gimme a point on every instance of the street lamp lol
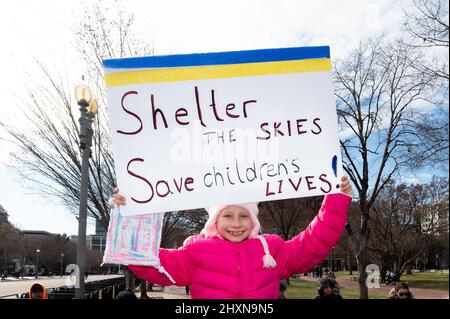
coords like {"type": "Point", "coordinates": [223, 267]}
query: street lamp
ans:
{"type": "Point", "coordinates": [62, 256]}
{"type": "Point", "coordinates": [88, 109]}
{"type": "Point", "coordinates": [37, 263]}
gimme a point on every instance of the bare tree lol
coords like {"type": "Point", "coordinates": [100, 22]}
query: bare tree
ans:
{"type": "Point", "coordinates": [180, 224]}
{"type": "Point", "coordinates": [353, 222]}
{"type": "Point", "coordinates": [406, 219]}
{"type": "Point", "coordinates": [288, 217]}
{"type": "Point", "coordinates": [427, 23]}
{"type": "Point", "coordinates": [47, 153]}
{"type": "Point", "coordinates": [51, 249]}
{"type": "Point", "coordinates": [93, 260]}
{"type": "Point", "coordinates": [376, 88]}
{"type": "Point", "coordinates": [11, 246]}
{"type": "Point", "coordinates": [143, 288]}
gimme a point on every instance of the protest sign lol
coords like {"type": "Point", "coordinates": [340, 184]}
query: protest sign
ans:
{"type": "Point", "coordinates": [198, 130]}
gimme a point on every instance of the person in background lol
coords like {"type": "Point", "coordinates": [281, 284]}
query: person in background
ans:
{"type": "Point", "coordinates": [327, 289]}
{"type": "Point", "coordinates": [283, 288]}
{"type": "Point", "coordinates": [330, 274]}
{"type": "Point", "coordinates": [38, 291]}
{"type": "Point", "coordinates": [383, 276]}
{"type": "Point", "coordinates": [126, 294]}
{"type": "Point", "coordinates": [401, 291]}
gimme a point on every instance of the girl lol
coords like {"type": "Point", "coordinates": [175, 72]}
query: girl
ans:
{"type": "Point", "coordinates": [230, 260]}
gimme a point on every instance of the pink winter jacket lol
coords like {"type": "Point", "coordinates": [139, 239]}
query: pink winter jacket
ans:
{"type": "Point", "coordinates": [215, 268]}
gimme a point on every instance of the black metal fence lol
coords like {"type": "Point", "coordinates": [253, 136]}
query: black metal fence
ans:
{"type": "Point", "coordinates": [101, 289]}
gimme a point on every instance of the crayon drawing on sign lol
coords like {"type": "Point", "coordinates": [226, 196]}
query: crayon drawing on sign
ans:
{"type": "Point", "coordinates": [133, 239]}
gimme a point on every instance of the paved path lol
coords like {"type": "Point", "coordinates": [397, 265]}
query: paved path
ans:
{"type": "Point", "coordinates": [9, 287]}
{"type": "Point", "coordinates": [170, 292]}
{"type": "Point", "coordinates": [419, 293]}
{"type": "Point", "coordinates": [13, 286]}
{"type": "Point", "coordinates": [18, 286]}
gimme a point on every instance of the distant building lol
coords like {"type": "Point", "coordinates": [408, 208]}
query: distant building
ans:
{"type": "Point", "coordinates": [37, 235]}
{"type": "Point", "coordinates": [96, 241]}
{"type": "Point", "coordinates": [93, 242]}
{"type": "Point", "coordinates": [74, 239]}
{"type": "Point", "coordinates": [436, 218]}
{"type": "Point", "coordinates": [3, 215]}
{"type": "Point", "coordinates": [99, 228]}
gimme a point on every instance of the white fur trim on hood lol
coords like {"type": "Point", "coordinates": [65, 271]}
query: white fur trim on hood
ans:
{"type": "Point", "coordinates": [210, 229]}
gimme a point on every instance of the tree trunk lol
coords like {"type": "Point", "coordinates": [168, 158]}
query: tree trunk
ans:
{"type": "Point", "coordinates": [143, 287]}
{"type": "Point", "coordinates": [363, 259]}
{"type": "Point", "coordinates": [126, 275]}
{"type": "Point", "coordinates": [132, 280]}
{"type": "Point", "coordinates": [350, 265]}
{"type": "Point", "coordinates": [129, 278]}
{"type": "Point", "coordinates": [408, 270]}
{"type": "Point", "coordinates": [362, 264]}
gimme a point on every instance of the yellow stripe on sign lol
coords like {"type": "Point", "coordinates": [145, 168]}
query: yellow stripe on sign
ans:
{"type": "Point", "coordinates": [216, 71]}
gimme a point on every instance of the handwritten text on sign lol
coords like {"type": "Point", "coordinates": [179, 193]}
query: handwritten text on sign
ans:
{"type": "Point", "coordinates": [198, 130]}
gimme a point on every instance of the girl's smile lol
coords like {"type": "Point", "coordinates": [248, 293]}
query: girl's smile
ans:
{"type": "Point", "coordinates": [234, 224]}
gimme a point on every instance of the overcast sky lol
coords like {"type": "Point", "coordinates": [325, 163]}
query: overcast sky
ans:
{"type": "Point", "coordinates": [41, 29]}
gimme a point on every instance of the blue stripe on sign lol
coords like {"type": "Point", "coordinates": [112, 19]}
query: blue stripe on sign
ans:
{"type": "Point", "coordinates": [232, 57]}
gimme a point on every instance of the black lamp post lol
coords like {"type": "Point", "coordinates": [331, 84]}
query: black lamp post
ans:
{"type": "Point", "coordinates": [36, 275]}
{"type": "Point", "coordinates": [88, 110]}
{"type": "Point", "coordinates": [62, 260]}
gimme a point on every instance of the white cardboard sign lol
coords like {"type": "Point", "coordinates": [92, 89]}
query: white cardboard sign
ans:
{"type": "Point", "coordinates": [198, 130]}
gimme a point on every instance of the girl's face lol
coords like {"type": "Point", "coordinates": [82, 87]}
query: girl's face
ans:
{"type": "Point", "coordinates": [234, 224]}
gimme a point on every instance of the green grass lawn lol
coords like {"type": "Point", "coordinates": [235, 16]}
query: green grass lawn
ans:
{"type": "Point", "coordinates": [301, 289]}
{"type": "Point", "coordinates": [427, 280]}
{"type": "Point", "coordinates": [436, 280]}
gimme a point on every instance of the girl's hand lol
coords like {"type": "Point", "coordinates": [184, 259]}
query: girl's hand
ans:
{"type": "Point", "coordinates": [117, 199]}
{"type": "Point", "coordinates": [345, 186]}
